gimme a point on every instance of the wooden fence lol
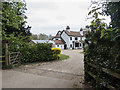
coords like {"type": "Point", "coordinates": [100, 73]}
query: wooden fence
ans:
{"type": "Point", "coordinates": [14, 58]}
{"type": "Point", "coordinates": [108, 73]}
{"type": "Point", "coordinates": [9, 58]}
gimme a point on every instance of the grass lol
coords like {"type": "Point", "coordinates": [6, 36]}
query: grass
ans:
{"type": "Point", "coordinates": [62, 57]}
{"type": "Point", "coordinates": [82, 52]}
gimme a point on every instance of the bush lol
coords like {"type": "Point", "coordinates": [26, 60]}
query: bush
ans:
{"type": "Point", "coordinates": [37, 52]}
{"type": "Point", "coordinates": [56, 50]}
{"type": "Point", "coordinates": [7, 67]}
{"type": "Point", "coordinates": [102, 49]}
{"type": "Point", "coordinates": [56, 53]}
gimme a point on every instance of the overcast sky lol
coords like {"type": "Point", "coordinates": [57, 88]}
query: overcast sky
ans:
{"type": "Point", "coordinates": [49, 16]}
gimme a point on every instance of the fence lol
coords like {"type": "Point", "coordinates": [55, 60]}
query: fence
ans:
{"type": "Point", "coordinates": [9, 58]}
{"type": "Point", "coordinates": [102, 76]}
{"type": "Point", "coordinates": [14, 58]}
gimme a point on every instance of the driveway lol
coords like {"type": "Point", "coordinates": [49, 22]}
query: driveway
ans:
{"type": "Point", "coordinates": [67, 73]}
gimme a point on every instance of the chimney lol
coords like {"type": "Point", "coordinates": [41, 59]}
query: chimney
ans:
{"type": "Point", "coordinates": [81, 31]}
{"type": "Point", "coordinates": [67, 28]}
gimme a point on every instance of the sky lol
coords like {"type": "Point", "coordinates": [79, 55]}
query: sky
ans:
{"type": "Point", "coordinates": [50, 16]}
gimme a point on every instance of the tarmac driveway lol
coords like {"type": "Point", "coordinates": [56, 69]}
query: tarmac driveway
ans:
{"type": "Point", "coordinates": [67, 73]}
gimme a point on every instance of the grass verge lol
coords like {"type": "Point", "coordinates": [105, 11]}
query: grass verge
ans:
{"type": "Point", "coordinates": [62, 57]}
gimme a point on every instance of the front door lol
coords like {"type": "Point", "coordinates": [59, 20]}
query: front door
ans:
{"type": "Point", "coordinates": [65, 46]}
{"type": "Point", "coordinates": [76, 44]}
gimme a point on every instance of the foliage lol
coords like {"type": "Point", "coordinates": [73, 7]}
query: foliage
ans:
{"type": "Point", "coordinates": [113, 9]}
{"type": "Point", "coordinates": [102, 45]}
{"type": "Point", "coordinates": [37, 52]}
{"type": "Point", "coordinates": [63, 57]}
{"type": "Point", "coordinates": [56, 50]}
{"type": "Point", "coordinates": [16, 24]}
{"type": "Point", "coordinates": [7, 67]}
{"type": "Point", "coordinates": [41, 37]}
{"type": "Point", "coordinates": [56, 53]}
{"type": "Point", "coordinates": [34, 37]}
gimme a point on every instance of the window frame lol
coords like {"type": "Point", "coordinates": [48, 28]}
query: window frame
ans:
{"type": "Point", "coordinates": [76, 38]}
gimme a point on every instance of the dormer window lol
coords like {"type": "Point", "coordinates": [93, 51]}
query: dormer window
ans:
{"type": "Point", "coordinates": [76, 38]}
{"type": "Point", "coordinates": [70, 38]}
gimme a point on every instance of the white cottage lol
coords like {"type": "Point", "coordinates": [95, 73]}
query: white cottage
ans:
{"type": "Point", "coordinates": [67, 39]}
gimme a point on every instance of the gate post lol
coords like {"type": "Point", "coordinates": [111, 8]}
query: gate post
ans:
{"type": "Point", "coordinates": [6, 53]}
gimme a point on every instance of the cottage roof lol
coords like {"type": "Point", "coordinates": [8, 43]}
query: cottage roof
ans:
{"type": "Point", "coordinates": [59, 42]}
{"type": "Point", "coordinates": [73, 33]}
{"type": "Point", "coordinates": [58, 34]}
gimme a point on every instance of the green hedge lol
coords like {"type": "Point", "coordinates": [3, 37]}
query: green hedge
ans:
{"type": "Point", "coordinates": [102, 49]}
{"type": "Point", "coordinates": [37, 52]}
{"type": "Point", "coordinates": [105, 53]}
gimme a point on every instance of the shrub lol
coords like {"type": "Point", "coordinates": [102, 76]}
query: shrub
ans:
{"type": "Point", "coordinates": [102, 49]}
{"type": "Point", "coordinates": [56, 50]}
{"type": "Point", "coordinates": [38, 52]}
{"type": "Point", "coordinates": [56, 53]}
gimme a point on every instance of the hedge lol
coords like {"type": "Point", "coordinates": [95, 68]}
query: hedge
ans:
{"type": "Point", "coordinates": [102, 54]}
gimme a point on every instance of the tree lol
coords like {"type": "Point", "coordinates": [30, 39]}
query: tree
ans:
{"type": "Point", "coordinates": [43, 36]}
{"type": "Point", "coordinates": [34, 37]}
{"type": "Point", "coordinates": [13, 18]}
{"type": "Point", "coordinates": [113, 9]}
{"type": "Point", "coordinates": [50, 37]}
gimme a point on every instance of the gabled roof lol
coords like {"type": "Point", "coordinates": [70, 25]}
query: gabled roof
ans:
{"type": "Point", "coordinates": [58, 35]}
{"type": "Point", "coordinates": [73, 33]}
{"type": "Point", "coordinates": [59, 42]}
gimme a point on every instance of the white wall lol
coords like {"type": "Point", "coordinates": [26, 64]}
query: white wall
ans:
{"type": "Point", "coordinates": [66, 38]}
{"type": "Point", "coordinates": [83, 38]}
{"type": "Point", "coordinates": [81, 32]}
{"type": "Point", "coordinates": [61, 46]}
{"type": "Point", "coordinates": [73, 39]}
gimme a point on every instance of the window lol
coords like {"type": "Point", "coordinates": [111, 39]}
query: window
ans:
{"type": "Point", "coordinates": [57, 45]}
{"type": "Point", "coordinates": [56, 39]}
{"type": "Point", "coordinates": [76, 44]}
{"type": "Point", "coordinates": [70, 45]}
{"type": "Point", "coordinates": [70, 38]}
{"type": "Point", "coordinates": [76, 38]}
{"type": "Point", "coordinates": [80, 44]}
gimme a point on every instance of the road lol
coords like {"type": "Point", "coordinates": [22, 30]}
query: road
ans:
{"type": "Point", "coordinates": [67, 73]}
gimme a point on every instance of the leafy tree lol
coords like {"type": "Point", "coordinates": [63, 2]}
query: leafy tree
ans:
{"type": "Point", "coordinates": [50, 37]}
{"type": "Point", "coordinates": [102, 44]}
{"type": "Point", "coordinates": [113, 9]}
{"type": "Point", "coordinates": [43, 36]}
{"type": "Point", "coordinates": [34, 37]}
{"type": "Point", "coordinates": [13, 18]}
